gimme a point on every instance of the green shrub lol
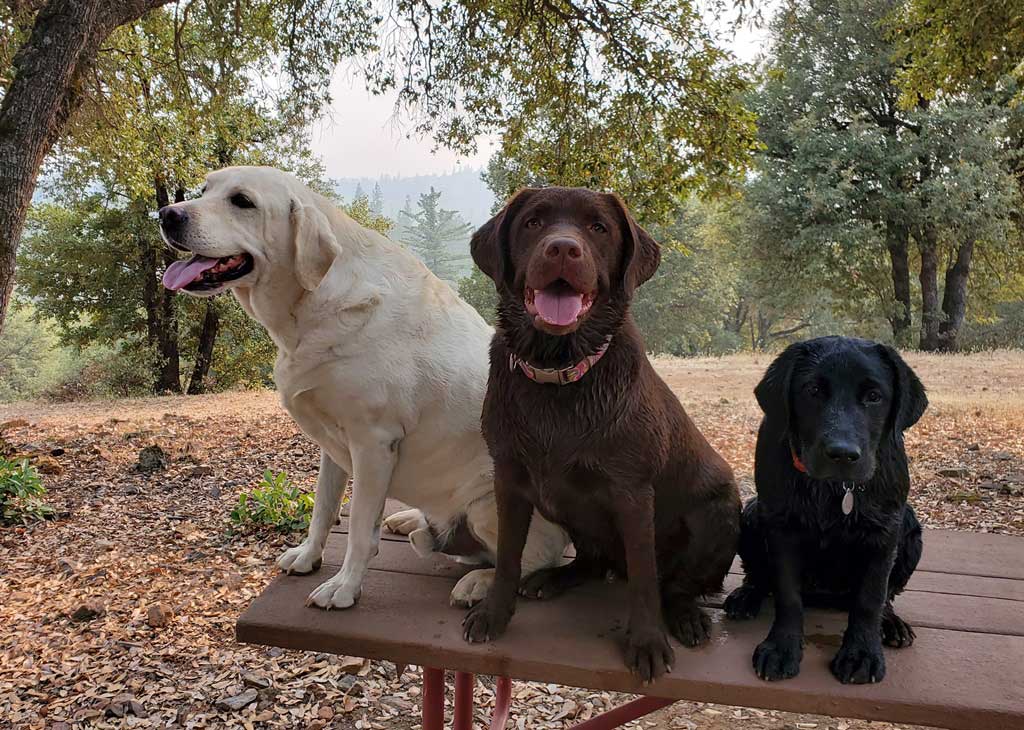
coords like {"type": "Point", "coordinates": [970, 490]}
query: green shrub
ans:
{"type": "Point", "coordinates": [276, 503]}
{"type": "Point", "coordinates": [21, 494]}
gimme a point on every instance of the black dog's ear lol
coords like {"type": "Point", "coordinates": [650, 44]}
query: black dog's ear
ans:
{"type": "Point", "coordinates": [909, 399]}
{"type": "Point", "coordinates": [489, 245]}
{"type": "Point", "coordinates": [772, 392]}
{"type": "Point", "coordinates": [642, 252]}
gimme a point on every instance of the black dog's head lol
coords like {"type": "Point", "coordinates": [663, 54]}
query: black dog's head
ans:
{"type": "Point", "coordinates": [835, 399]}
{"type": "Point", "coordinates": [565, 261]}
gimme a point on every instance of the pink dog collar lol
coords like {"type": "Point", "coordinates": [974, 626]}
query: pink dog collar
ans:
{"type": "Point", "coordinates": [557, 376]}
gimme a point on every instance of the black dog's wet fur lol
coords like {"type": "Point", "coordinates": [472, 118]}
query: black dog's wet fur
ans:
{"type": "Point", "coordinates": [613, 458]}
{"type": "Point", "coordinates": [796, 542]}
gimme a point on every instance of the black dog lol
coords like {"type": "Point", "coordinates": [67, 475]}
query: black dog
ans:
{"type": "Point", "coordinates": [830, 524]}
{"type": "Point", "coordinates": [581, 427]}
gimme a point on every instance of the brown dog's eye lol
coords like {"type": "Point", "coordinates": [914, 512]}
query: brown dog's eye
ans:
{"type": "Point", "coordinates": [241, 201]}
{"type": "Point", "coordinates": [598, 227]}
{"type": "Point", "coordinates": [873, 396]}
{"type": "Point", "coordinates": [533, 223]}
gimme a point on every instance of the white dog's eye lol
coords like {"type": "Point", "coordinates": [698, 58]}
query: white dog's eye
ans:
{"type": "Point", "coordinates": [239, 200]}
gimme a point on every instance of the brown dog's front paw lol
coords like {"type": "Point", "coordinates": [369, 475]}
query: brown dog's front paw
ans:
{"type": "Point", "coordinates": [648, 654]}
{"type": "Point", "coordinates": [688, 623]}
{"type": "Point", "coordinates": [485, 622]}
{"type": "Point", "coordinates": [550, 582]}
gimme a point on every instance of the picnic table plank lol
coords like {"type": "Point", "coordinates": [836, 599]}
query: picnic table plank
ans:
{"type": "Point", "coordinates": [956, 679]}
{"type": "Point", "coordinates": [945, 551]}
{"type": "Point", "coordinates": [397, 556]}
{"type": "Point", "coordinates": [947, 610]}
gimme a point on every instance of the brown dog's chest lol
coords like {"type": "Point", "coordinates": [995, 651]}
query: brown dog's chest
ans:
{"type": "Point", "coordinates": [570, 496]}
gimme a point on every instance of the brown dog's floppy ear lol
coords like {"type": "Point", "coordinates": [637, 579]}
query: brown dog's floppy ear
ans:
{"type": "Point", "coordinates": [315, 246]}
{"type": "Point", "coordinates": [642, 252]}
{"type": "Point", "coordinates": [772, 392]}
{"type": "Point", "coordinates": [489, 246]}
{"type": "Point", "coordinates": [909, 398]}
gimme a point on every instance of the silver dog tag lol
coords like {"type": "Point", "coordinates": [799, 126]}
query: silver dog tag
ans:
{"type": "Point", "coordinates": [848, 501]}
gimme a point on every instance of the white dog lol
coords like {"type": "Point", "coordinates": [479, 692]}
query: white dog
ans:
{"type": "Point", "coordinates": [378, 361]}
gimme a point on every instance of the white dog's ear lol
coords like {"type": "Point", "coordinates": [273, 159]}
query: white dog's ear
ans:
{"type": "Point", "coordinates": [315, 245]}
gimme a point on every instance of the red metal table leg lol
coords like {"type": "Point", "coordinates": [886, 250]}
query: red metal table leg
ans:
{"type": "Point", "coordinates": [624, 713]}
{"type": "Point", "coordinates": [464, 682]}
{"type": "Point", "coordinates": [433, 699]}
{"type": "Point", "coordinates": [502, 702]}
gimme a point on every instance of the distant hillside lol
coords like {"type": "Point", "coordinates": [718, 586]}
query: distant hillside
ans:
{"type": "Point", "coordinates": [462, 190]}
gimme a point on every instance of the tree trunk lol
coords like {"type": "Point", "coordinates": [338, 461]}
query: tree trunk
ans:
{"type": "Point", "coordinates": [168, 372]}
{"type": "Point", "coordinates": [150, 292]}
{"type": "Point", "coordinates": [43, 94]}
{"type": "Point", "coordinates": [204, 354]}
{"type": "Point", "coordinates": [897, 238]}
{"type": "Point", "coordinates": [954, 298]}
{"type": "Point", "coordinates": [930, 316]}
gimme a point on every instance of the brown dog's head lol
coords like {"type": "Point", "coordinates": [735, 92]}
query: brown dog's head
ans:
{"type": "Point", "coordinates": [564, 261]}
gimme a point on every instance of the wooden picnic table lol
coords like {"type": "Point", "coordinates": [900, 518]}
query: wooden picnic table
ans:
{"type": "Point", "coordinates": [964, 672]}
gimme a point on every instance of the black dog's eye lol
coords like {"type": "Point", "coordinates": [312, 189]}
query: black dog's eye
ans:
{"type": "Point", "coordinates": [873, 396]}
{"type": "Point", "coordinates": [598, 227]}
{"type": "Point", "coordinates": [533, 223]}
{"type": "Point", "coordinates": [241, 201]}
{"type": "Point", "coordinates": [814, 389]}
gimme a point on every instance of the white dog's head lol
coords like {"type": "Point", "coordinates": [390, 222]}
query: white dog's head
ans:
{"type": "Point", "coordinates": [251, 223]}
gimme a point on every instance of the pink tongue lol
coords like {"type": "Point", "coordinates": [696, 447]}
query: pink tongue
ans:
{"type": "Point", "coordinates": [558, 308]}
{"type": "Point", "coordinates": [182, 273]}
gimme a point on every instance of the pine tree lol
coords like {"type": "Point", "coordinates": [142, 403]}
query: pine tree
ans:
{"type": "Point", "coordinates": [431, 232]}
{"type": "Point", "coordinates": [377, 201]}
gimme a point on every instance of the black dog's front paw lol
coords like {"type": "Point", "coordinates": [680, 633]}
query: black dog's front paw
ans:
{"type": "Point", "coordinates": [687, 622]}
{"type": "Point", "coordinates": [485, 622]}
{"type": "Point", "coordinates": [776, 659]}
{"type": "Point", "coordinates": [859, 662]}
{"type": "Point", "coordinates": [743, 603]}
{"type": "Point", "coordinates": [648, 653]}
{"type": "Point", "coordinates": [896, 632]}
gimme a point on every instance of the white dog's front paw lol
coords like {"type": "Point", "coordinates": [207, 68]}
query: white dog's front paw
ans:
{"type": "Point", "coordinates": [472, 588]}
{"type": "Point", "coordinates": [335, 593]}
{"type": "Point", "coordinates": [405, 522]}
{"type": "Point", "coordinates": [301, 559]}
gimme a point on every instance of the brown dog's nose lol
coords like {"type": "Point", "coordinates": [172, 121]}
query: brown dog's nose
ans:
{"type": "Point", "coordinates": [563, 248]}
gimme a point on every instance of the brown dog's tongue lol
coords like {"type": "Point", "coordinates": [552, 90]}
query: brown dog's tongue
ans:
{"type": "Point", "coordinates": [560, 307]}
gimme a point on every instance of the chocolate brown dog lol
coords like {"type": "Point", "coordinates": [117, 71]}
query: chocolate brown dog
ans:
{"type": "Point", "coordinates": [581, 427]}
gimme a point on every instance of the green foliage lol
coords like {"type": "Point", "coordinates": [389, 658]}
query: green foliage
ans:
{"type": "Point", "coordinates": [478, 290]}
{"type": "Point", "coordinates": [634, 97]}
{"type": "Point", "coordinates": [953, 45]}
{"type": "Point", "coordinates": [275, 503]}
{"type": "Point", "coordinates": [32, 360]}
{"type": "Point", "coordinates": [847, 176]}
{"type": "Point", "coordinates": [432, 233]}
{"type": "Point", "coordinates": [367, 215]}
{"type": "Point", "coordinates": [21, 494]}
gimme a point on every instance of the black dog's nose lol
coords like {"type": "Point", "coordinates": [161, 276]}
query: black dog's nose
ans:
{"type": "Point", "coordinates": [842, 452]}
{"type": "Point", "coordinates": [563, 247]}
{"type": "Point", "coordinates": [172, 218]}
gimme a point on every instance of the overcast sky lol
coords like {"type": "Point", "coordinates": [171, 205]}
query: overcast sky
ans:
{"type": "Point", "coordinates": [360, 138]}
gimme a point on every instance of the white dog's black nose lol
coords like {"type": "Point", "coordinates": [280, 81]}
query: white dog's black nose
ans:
{"type": "Point", "coordinates": [172, 220]}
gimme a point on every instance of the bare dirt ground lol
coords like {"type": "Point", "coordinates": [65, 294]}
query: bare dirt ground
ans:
{"type": "Point", "coordinates": [120, 613]}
